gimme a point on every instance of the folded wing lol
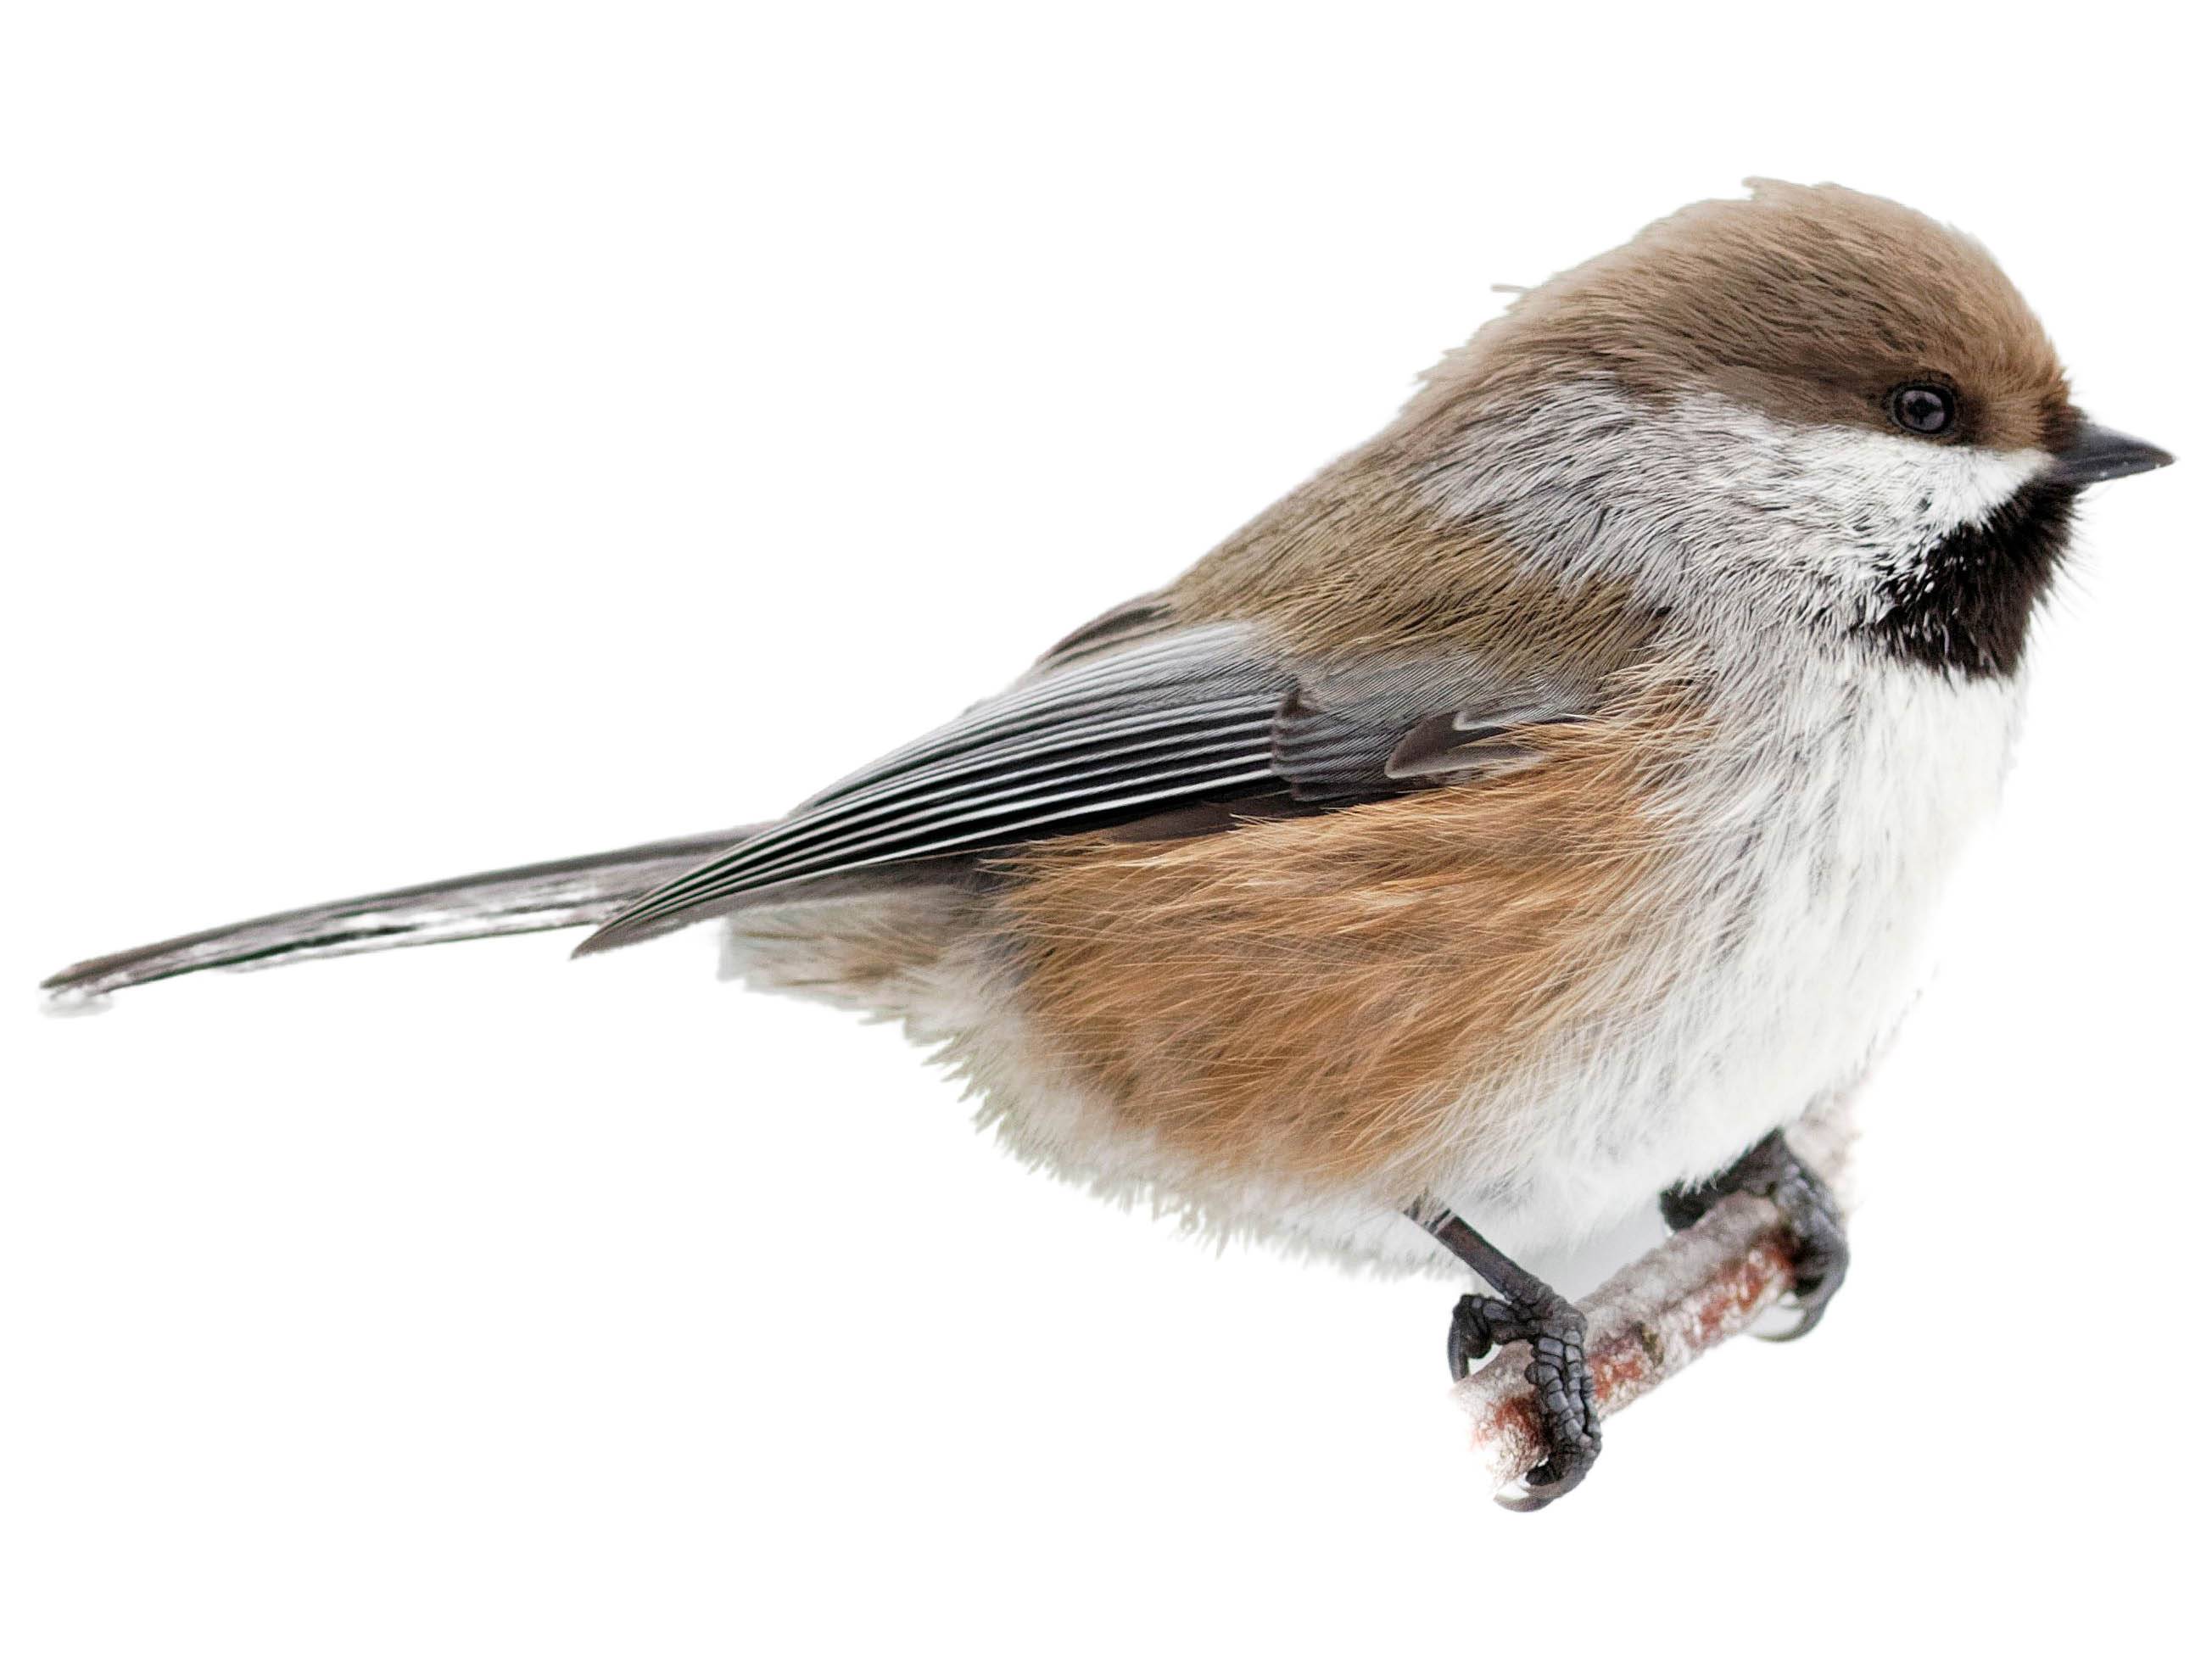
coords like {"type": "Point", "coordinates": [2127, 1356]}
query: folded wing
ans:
{"type": "Point", "coordinates": [1132, 720]}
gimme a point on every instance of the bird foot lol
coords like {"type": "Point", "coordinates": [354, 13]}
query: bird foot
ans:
{"type": "Point", "coordinates": [1558, 1370]}
{"type": "Point", "coordinates": [1771, 1170]}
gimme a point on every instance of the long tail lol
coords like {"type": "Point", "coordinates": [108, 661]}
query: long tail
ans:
{"type": "Point", "coordinates": [578, 892]}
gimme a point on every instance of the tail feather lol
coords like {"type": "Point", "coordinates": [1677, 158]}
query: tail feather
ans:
{"type": "Point", "coordinates": [578, 892]}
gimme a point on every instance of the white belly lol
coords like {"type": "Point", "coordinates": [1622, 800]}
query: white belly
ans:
{"type": "Point", "coordinates": [1802, 946]}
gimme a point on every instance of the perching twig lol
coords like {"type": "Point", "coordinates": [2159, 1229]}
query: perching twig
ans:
{"type": "Point", "coordinates": [1646, 1322]}
{"type": "Point", "coordinates": [1659, 1313]}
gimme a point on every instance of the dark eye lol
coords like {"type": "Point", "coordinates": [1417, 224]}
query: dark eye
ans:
{"type": "Point", "coordinates": [1927, 410]}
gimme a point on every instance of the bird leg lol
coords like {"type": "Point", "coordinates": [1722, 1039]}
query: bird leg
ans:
{"type": "Point", "coordinates": [1771, 1170]}
{"type": "Point", "coordinates": [1526, 1310]}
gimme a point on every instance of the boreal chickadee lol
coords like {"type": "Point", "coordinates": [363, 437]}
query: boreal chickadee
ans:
{"type": "Point", "coordinates": [1533, 813]}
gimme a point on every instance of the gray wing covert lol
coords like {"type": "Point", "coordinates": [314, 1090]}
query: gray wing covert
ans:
{"type": "Point", "coordinates": [1133, 720]}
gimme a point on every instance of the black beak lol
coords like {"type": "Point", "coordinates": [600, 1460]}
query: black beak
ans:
{"type": "Point", "coordinates": [2098, 453]}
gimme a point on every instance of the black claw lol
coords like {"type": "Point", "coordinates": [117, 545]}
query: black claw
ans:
{"type": "Point", "coordinates": [1548, 1483]}
{"type": "Point", "coordinates": [1526, 1310]}
{"type": "Point", "coordinates": [1566, 1407]}
{"type": "Point", "coordinates": [1470, 1337]}
{"type": "Point", "coordinates": [1800, 1328]}
{"type": "Point", "coordinates": [1566, 1393]}
{"type": "Point", "coordinates": [1771, 1170]}
{"type": "Point", "coordinates": [1813, 1294]}
{"type": "Point", "coordinates": [1526, 1503]}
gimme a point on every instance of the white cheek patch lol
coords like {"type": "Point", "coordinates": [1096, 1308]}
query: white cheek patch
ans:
{"type": "Point", "coordinates": [1871, 504]}
{"type": "Point", "coordinates": [1705, 495]}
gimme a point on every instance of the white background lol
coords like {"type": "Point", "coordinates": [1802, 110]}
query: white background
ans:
{"type": "Point", "coordinates": [438, 436]}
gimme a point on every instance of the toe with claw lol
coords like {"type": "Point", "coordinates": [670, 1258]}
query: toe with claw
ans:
{"type": "Point", "coordinates": [1771, 1170]}
{"type": "Point", "coordinates": [1558, 1370]}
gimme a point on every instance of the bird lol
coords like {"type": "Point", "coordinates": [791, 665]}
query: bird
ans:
{"type": "Point", "coordinates": [1531, 815]}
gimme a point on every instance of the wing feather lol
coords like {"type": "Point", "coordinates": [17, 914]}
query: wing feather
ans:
{"type": "Point", "coordinates": [1134, 721]}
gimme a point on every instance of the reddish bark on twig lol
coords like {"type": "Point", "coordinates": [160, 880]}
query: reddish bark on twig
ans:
{"type": "Point", "coordinates": [1646, 1322]}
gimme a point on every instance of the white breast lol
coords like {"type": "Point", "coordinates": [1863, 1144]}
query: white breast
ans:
{"type": "Point", "coordinates": [1806, 907]}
